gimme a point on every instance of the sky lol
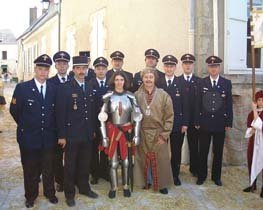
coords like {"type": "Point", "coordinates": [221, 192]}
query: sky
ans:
{"type": "Point", "coordinates": [14, 14]}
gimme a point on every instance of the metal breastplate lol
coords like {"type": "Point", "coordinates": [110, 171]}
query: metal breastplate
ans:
{"type": "Point", "coordinates": [120, 109]}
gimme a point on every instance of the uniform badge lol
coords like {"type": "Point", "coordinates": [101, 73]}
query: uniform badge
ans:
{"type": "Point", "coordinates": [75, 107]}
{"type": "Point", "coordinates": [223, 94]}
{"type": "Point", "coordinates": [74, 96]}
{"type": "Point", "coordinates": [13, 101]}
{"type": "Point", "coordinates": [177, 93]}
{"type": "Point", "coordinates": [148, 111]}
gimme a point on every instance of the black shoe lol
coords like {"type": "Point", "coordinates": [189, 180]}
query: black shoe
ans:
{"type": "Point", "coordinates": [94, 180]}
{"type": "Point", "coordinates": [218, 182]}
{"type": "Point", "coordinates": [261, 194]}
{"type": "Point", "coordinates": [177, 181]}
{"type": "Point", "coordinates": [164, 191]}
{"type": "Point", "coordinates": [147, 187]}
{"type": "Point", "coordinates": [29, 204]}
{"type": "Point", "coordinates": [112, 194]}
{"type": "Point", "coordinates": [53, 199]}
{"type": "Point", "coordinates": [90, 194]}
{"type": "Point", "coordinates": [59, 188]}
{"type": "Point", "coordinates": [200, 181]}
{"type": "Point", "coordinates": [126, 193]}
{"type": "Point", "coordinates": [250, 189]}
{"type": "Point", "coordinates": [70, 202]}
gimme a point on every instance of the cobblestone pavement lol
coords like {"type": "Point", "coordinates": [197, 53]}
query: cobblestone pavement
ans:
{"type": "Point", "coordinates": [188, 196]}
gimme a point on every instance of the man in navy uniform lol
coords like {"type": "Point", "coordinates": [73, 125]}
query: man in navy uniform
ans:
{"type": "Point", "coordinates": [90, 72]}
{"type": "Point", "coordinates": [151, 60]}
{"type": "Point", "coordinates": [174, 87]}
{"type": "Point", "coordinates": [61, 60]}
{"type": "Point", "coordinates": [215, 112]}
{"type": "Point", "coordinates": [117, 64]}
{"type": "Point", "coordinates": [33, 109]}
{"type": "Point", "coordinates": [75, 121]}
{"type": "Point", "coordinates": [191, 83]}
{"type": "Point", "coordinates": [99, 86]}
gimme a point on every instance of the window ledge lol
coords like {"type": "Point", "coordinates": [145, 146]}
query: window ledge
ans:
{"type": "Point", "coordinates": [248, 71]}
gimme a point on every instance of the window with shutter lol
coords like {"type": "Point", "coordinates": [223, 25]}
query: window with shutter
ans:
{"type": "Point", "coordinates": [4, 55]}
{"type": "Point", "coordinates": [237, 37]}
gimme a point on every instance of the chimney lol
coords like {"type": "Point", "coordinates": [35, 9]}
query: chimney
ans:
{"type": "Point", "coordinates": [32, 15]}
{"type": "Point", "coordinates": [46, 5]}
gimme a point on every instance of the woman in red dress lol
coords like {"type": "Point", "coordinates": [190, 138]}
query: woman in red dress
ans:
{"type": "Point", "coordinates": [257, 111]}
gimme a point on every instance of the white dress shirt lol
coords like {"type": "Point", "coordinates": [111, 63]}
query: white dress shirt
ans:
{"type": "Point", "coordinates": [190, 76]}
{"type": "Point", "coordinates": [60, 78]}
{"type": "Point", "coordinates": [99, 80]}
{"type": "Point", "coordinates": [212, 80]}
{"type": "Point", "coordinates": [38, 84]}
{"type": "Point", "coordinates": [169, 78]}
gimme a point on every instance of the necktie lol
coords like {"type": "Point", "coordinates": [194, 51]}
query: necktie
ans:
{"type": "Point", "coordinates": [101, 84]}
{"type": "Point", "coordinates": [82, 87]}
{"type": "Point", "coordinates": [63, 79]}
{"type": "Point", "coordinates": [169, 82]}
{"type": "Point", "coordinates": [214, 83]}
{"type": "Point", "coordinates": [188, 78]}
{"type": "Point", "coordinates": [41, 92]}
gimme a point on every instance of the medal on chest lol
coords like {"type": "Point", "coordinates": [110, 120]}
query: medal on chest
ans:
{"type": "Point", "coordinates": [148, 111]}
{"type": "Point", "coordinates": [75, 107]}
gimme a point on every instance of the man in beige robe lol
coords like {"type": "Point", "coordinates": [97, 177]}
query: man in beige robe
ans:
{"type": "Point", "coordinates": [152, 156]}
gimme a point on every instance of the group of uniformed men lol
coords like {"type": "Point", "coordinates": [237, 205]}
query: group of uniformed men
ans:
{"type": "Point", "coordinates": [58, 127]}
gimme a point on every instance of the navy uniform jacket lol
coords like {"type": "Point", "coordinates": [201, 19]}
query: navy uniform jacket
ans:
{"type": "Point", "coordinates": [137, 81]}
{"type": "Point", "coordinates": [90, 74]}
{"type": "Point", "coordinates": [75, 112]}
{"type": "Point", "coordinates": [128, 75]}
{"type": "Point", "coordinates": [36, 122]}
{"type": "Point", "coordinates": [215, 105]}
{"type": "Point", "coordinates": [180, 102]}
{"type": "Point", "coordinates": [191, 89]}
{"type": "Point", "coordinates": [55, 80]}
{"type": "Point", "coordinates": [98, 92]}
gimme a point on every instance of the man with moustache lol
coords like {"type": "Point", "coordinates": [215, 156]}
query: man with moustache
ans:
{"type": "Point", "coordinates": [151, 60]}
{"type": "Point", "coordinates": [61, 59]}
{"type": "Point", "coordinates": [75, 121]}
{"type": "Point", "coordinates": [174, 87]}
{"type": "Point", "coordinates": [90, 72]}
{"type": "Point", "coordinates": [33, 109]}
{"type": "Point", "coordinates": [215, 111]}
{"type": "Point", "coordinates": [117, 63]}
{"type": "Point", "coordinates": [99, 86]}
{"type": "Point", "coordinates": [152, 162]}
{"type": "Point", "coordinates": [190, 84]}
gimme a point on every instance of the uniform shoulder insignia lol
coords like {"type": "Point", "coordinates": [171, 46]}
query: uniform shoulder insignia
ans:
{"type": "Point", "coordinates": [13, 101]}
